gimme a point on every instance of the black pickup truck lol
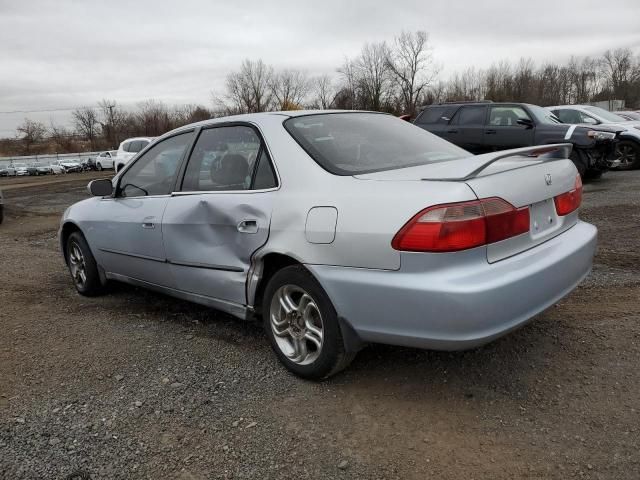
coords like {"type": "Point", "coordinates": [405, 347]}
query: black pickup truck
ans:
{"type": "Point", "coordinates": [482, 127]}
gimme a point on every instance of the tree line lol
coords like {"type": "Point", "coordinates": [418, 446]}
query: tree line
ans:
{"type": "Point", "coordinates": [396, 77]}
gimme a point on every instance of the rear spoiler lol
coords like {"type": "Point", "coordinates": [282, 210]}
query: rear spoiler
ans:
{"type": "Point", "coordinates": [546, 153]}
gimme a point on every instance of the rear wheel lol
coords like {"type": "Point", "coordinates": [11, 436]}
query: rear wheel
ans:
{"type": "Point", "coordinates": [82, 266]}
{"type": "Point", "coordinates": [628, 153]}
{"type": "Point", "coordinates": [302, 325]}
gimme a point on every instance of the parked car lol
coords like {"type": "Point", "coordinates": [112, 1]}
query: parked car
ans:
{"type": "Point", "coordinates": [21, 169]}
{"type": "Point", "coordinates": [4, 172]}
{"type": "Point", "coordinates": [69, 166]}
{"type": "Point", "coordinates": [55, 169]}
{"type": "Point", "coordinates": [481, 127]}
{"type": "Point", "coordinates": [105, 160]}
{"type": "Point", "coordinates": [88, 164]}
{"type": "Point", "coordinates": [37, 169]}
{"type": "Point", "coordinates": [128, 149]}
{"type": "Point", "coordinates": [627, 151]}
{"type": "Point", "coordinates": [338, 229]}
{"type": "Point", "coordinates": [629, 115]}
{"type": "Point", "coordinates": [1, 207]}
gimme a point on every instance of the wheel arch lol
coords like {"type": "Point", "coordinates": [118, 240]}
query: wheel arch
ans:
{"type": "Point", "coordinates": [65, 232]}
{"type": "Point", "coordinates": [264, 269]}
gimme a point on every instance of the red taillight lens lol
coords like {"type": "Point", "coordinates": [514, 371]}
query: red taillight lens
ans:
{"type": "Point", "coordinates": [459, 226]}
{"type": "Point", "coordinates": [570, 201]}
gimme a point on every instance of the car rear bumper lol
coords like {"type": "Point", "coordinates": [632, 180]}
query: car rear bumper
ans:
{"type": "Point", "coordinates": [458, 301]}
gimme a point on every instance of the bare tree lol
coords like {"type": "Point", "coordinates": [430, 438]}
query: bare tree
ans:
{"type": "Point", "coordinates": [153, 118]}
{"type": "Point", "coordinates": [324, 92]}
{"type": "Point", "coordinates": [373, 80]}
{"type": "Point", "coordinates": [30, 133]}
{"type": "Point", "coordinates": [185, 114]}
{"type": "Point", "coordinates": [62, 137]}
{"type": "Point", "coordinates": [410, 61]}
{"type": "Point", "coordinates": [249, 89]}
{"type": "Point", "coordinates": [289, 89]}
{"type": "Point", "coordinates": [85, 120]}
{"type": "Point", "coordinates": [621, 72]}
{"type": "Point", "coordinates": [114, 121]}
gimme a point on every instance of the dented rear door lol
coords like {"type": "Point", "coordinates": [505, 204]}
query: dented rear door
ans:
{"type": "Point", "coordinates": [209, 239]}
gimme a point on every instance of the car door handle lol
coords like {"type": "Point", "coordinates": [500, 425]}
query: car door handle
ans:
{"type": "Point", "coordinates": [148, 225]}
{"type": "Point", "coordinates": [248, 226]}
{"type": "Point", "coordinates": [490, 132]}
{"type": "Point", "coordinates": [453, 130]}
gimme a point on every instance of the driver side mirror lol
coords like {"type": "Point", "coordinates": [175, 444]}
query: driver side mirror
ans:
{"type": "Point", "coordinates": [526, 122]}
{"type": "Point", "coordinates": [100, 188]}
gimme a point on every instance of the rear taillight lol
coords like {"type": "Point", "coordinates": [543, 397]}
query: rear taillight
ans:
{"type": "Point", "coordinates": [459, 226]}
{"type": "Point", "coordinates": [570, 201]}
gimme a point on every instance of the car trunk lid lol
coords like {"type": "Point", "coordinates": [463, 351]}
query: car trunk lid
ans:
{"type": "Point", "coordinates": [529, 177]}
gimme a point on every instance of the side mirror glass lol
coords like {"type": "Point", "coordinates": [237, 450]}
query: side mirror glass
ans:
{"type": "Point", "coordinates": [100, 188]}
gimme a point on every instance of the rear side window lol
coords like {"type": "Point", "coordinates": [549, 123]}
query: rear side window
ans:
{"type": "Point", "coordinates": [472, 115]}
{"type": "Point", "coordinates": [138, 145]}
{"type": "Point", "coordinates": [224, 158]}
{"type": "Point", "coordinates": [264, 177]}
{"type": "Point", "coordinates": [353, 143]}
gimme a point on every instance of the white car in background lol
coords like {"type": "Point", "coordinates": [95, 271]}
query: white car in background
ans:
{"type": "Point", "coordinates": [106, 160]}
{"type": "Point", "coordinates": [129, 148]}
{"type": "Point", "coordinates": [20, 169]}
{"type": "Point", "coordinates": [56, 169]}
{"type": "Point", "coordinates": [628, 146]}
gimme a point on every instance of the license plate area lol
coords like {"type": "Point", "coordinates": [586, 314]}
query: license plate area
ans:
{"type": "Point", "coordinates": [543, 218]}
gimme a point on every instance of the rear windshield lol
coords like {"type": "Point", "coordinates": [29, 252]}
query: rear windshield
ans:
{"type": "Point", "coordinates": [354, 143]}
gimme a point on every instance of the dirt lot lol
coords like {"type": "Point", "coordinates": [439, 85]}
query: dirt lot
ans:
{"type": "Point", "coordinates": [138, 385]}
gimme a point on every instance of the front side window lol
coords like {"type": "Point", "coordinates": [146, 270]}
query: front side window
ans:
{"type": "Point", "coordinates": [356, 143]}
{"type": "Point", "coordinates": [224, 158]}
{"type": "Point", "coordinates": [155, 172]}
{"type": "Point", "coordinates": [507, 116]}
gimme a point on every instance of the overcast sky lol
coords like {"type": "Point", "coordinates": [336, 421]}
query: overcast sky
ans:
{"type": "Point", "coordinates": [66, 53]}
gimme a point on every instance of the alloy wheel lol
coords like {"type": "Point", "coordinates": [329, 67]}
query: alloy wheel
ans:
{"type": "Point", "coordinates": [77, 265]}
{"type": "Point", "coordinates": [626, 154]}
{"type": "Point", "coordinates": [296, 323]}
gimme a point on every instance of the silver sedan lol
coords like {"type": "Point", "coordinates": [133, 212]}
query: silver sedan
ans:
{"type": "Point", "coordinates": [338, 229]}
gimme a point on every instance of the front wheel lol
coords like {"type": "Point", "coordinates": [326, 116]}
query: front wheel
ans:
{"type": "Point", "coordinates": [628, 153]}
{"type": "Point", "coordinates": [82, 266]}
{"type": "Point", "coordinates": [302, 325]}
{"type": "Point", "coordinates": [99, 167]}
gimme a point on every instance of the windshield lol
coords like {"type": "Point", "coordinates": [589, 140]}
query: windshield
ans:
{"type": "Point", "coordinates": [605, 115]}
{"type": "Point", "coordinates": [353, 143]}
{"type": "Point", "coordinates": [543, 115]}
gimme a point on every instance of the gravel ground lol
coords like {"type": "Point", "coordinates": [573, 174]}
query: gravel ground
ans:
{"type": "Point", "coordinates": [138, 385]}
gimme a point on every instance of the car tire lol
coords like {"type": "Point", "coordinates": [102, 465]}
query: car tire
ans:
{"type": "Point", "coordinates": [82, 266]}
{"type": "Point", "coordinates": [302, 325]}
{"type": "Point", "coordinates": [593, 174]}
{"type": "Point", "coordinates": [628, 153]}
{"type": "Point", "coordinates": [119, 167]}
{"type": "Point", "coordinates": [580, 160]}
{"type": "Point", "coordinates": [99, 167]}
{"type": "Point", "coordinates": [1, 213]}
